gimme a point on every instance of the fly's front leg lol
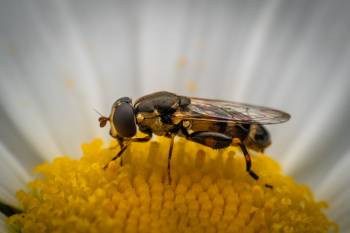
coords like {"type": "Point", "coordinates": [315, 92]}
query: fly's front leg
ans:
{"type": "Point", "coordinates": [122, 149]}
{"type": "Point", "coordinates": [124, 146]}
{"type": "Point", "coordinates": [144, 139]}
{"type": "Point", "coordinates": [117, 156]}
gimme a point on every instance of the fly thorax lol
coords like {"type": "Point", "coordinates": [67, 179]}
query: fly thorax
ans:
{"type": "Point", "coordinates": [156, 125]}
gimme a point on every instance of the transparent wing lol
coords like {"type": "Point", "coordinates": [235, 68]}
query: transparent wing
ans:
{"type": "Point", "coordinates": [219, 110]}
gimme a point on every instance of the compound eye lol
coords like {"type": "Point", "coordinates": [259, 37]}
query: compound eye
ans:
{"type": "Point", "coordinates": [124, 120]}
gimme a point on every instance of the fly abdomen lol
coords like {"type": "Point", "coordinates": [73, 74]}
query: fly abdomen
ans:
{"type": "Point", "coordinates": [240, 131]}
{"type": "Point", "coordinates": [258, 139]}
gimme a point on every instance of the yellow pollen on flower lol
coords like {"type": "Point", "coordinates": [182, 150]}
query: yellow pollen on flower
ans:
{"type": "Point", "coordinates": [210, 191]}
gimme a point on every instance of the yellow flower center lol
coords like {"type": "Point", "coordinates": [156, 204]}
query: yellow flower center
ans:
{"type": "Point", "coordinates": [210, 191]}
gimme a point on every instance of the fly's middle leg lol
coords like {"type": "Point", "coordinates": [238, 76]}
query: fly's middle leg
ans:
{"type": "Point", "coordinates": [170, 153]}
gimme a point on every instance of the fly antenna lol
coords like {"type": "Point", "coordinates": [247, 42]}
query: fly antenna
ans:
{"type": "Point", "coordinates": [98, 112]}
{"type": "Point", "coordinates": [102, 119]}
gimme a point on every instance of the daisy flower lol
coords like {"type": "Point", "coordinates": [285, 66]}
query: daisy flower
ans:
{"type": "Point", "coordinates": [62, 59]}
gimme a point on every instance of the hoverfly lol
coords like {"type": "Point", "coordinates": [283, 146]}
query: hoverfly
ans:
{"type": "Point", "coordinates": [213, 123]}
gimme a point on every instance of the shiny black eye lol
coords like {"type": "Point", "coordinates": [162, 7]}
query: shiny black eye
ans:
{"type": "Point", "coordinates": [124, 120]}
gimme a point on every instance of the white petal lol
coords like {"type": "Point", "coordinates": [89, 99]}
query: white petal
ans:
{"type": "Point", "coordinates": [335, 188]}
{"type": "Point", "coordinates": [13, 176]}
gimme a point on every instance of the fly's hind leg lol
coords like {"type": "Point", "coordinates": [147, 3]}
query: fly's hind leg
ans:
{"type": "Point", "coordinates": [218, 141]}
{"type": "Point", "coordinates": [212, 139]}
{"type": "Point", "coordinates": [248, 160]}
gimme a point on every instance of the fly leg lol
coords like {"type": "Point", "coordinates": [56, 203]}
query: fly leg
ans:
{"type": "Point", "coordinates": [117, 156]}
{"type": "Point", "coordinates": [144, 139]}
{"type": "Point", "coordinates": [211, 139]}
{"type": "Point", "coordinates": [122, 149]}
{"type": "Point", "coordinates": [170, 153]}
{"type": "Point", "coordinates": [218, 141]}
{"type": "Point", "coordinates": [125, 146]}
{"type": "Point", "coordinates": [248, 160]}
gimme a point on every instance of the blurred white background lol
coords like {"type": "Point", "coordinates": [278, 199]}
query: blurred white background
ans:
{"type": "Point", "coordinates": [61, 59]}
